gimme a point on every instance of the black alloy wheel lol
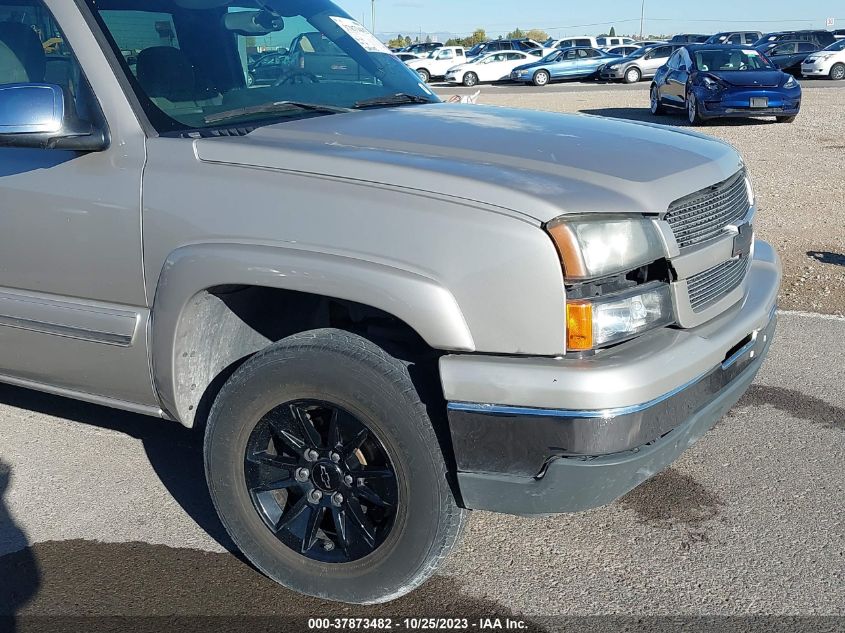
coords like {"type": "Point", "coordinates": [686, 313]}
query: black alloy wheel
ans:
{"type": "Point", "coordinates": [321, 481]}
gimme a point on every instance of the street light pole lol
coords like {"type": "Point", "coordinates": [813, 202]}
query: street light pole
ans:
{"type": "Point", "coordinates": [642, 18]}
{"type": "Point", "coordinates": [374, 15]}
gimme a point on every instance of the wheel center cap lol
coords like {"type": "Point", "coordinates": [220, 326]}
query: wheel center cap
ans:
{"type": "Point", "coordinates": [326, 476]}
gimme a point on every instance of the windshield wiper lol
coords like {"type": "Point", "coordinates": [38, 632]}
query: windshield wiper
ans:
{"type": "Point", "coordinates": [400, 98]}
{"type": "Point", "coordinates": [273, 108]}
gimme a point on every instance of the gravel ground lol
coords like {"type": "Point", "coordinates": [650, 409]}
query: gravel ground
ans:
{"type": "Point", "coordinates": [797, 171]}
{"type": "Point", "coordinates": [116, 521]}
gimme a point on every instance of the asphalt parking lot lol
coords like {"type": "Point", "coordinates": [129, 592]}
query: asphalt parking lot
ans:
{"type": "Point", "coordinates": [104, 513]}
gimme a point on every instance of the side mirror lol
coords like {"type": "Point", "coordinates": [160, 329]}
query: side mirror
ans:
{"type": "Point", "coordinates": [35, 115]}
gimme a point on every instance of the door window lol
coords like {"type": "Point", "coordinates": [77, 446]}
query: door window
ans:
{"type": "Point", "coordinates": [735, 38]}
{"type": "Point", "coordinates": [784, 49]}
{"type": "Point", "coordinates": [807, 47]}
{"type": "Point", "coordinates": [570, 55]}
{"type": "Point", "coordinates": [675, 61]}
{"type": "Point", "coordinates": [34, 50]}
{"type": "Point", "coordinates": [446, 55]}
{"type": "Point", "coordinates": [661, 52]}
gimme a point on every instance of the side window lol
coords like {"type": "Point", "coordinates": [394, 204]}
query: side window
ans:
{"type": "Point", "coordinates": [459, 52]}
{"type": "Point", "coordinates": [735, 38]}
{"type": "Point", "coordinates": [447, 54]}
{"type": "Point", "coordinates": [675, 61]}
{"type": "Point", "coordinates": [662, 52]}
{"type": "Point", "coordinates": [806, 47]}
{"type": "Point", "coordinates": [583, 43]}
{"type": "Point", "coordinates": [750, 38]}
{"type": "Point", "coordinates": [34, 50]}
{"type": "Point", "coordinates": [515, 57]}
{"type": "Point", "coordinates": [570, 55]}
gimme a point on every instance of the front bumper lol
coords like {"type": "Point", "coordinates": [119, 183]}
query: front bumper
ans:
{"type": "Point", "coordinates": [598, 427]}
{"type": "Point", "coordinates": [611, 74]}
{"type": "Point", "coordinates": [816, 69]}
{"type": "Point", "coordinates": [737, 103]}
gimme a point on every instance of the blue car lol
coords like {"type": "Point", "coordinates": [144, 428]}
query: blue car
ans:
{"type": "Point", "coordinates": [712, 81]}
{"type": "Point", "coordinates": [567, 63]}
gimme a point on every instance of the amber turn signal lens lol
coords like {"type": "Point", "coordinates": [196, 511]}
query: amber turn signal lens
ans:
{"type": "Point", "coordinates": [579, 326]}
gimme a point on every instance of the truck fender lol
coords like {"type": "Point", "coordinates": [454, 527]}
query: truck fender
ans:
{"type": "Point", "coordinates": [194, 337]}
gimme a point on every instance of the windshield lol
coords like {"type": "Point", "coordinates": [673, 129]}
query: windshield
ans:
{"type": "Point", "coordinates": [720, 60]}
{"type": "Point", "coordinates": [195, 64]}
{"type": "Point", "coordinates": [839, 45]}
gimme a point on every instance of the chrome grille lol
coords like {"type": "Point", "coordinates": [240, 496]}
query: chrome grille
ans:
{"type": "Point", "coordinates": [703, 215]}
{"type": "Point", "coordinates": [714, 284]}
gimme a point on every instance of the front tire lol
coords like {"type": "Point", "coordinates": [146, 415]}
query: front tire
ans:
{"type": "Point", "coordinates": [837, 73]}
{"type": "Point", "coordinates": [470, 80]}
{"type": "Point", "coordinates": [657, 108]}
{"type": "Point", "coordinates": [326, 470]}
{"type": "Point", "coordinates": [424, 75]}
{"type": "Point", "coordinates": [633, 76]}
{"type": "Point", "coordinates": [541, 78]}
{"type": "Point", "coordinates": [693, 114]}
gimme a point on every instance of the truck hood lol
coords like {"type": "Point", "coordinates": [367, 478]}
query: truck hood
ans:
{"type": "Point", "coordinates": [534, 164]}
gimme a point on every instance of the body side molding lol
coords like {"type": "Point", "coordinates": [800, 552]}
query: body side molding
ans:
{"type": "Point", "coordinates": [70, 318]}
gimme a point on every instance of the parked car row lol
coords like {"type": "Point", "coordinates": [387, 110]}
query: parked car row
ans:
{"type": "Point", "coordinates": [616, 58]}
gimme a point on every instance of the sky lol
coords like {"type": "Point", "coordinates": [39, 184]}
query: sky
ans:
{"type": "Point", "coordinates": [579, 17]}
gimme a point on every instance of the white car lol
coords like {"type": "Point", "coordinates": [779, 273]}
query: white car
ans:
{"type": "Point", "coordinates": [572, 42]}
{"type": "Point", "coordinates": [607, 41]}
{"type": "Point", "coordinates": [438, 62]}
{"type": "Point", "coordinates": [491, 67]}
{"type": "Point", "coordinates": [828, 62]}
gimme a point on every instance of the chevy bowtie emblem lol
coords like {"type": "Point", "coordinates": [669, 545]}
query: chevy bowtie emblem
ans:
{"type": "Point", "coordinates": [325, 477]}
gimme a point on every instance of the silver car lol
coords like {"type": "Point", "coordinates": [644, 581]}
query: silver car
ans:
{"type": "Point", "coordinates": [641, 64]}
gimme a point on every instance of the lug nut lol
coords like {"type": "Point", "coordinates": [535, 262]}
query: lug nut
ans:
{"type": "Point", "coordinates": [311, 455]}
{"type": "Point", "coordinates": [315, 496]}
{"type": "Point", "coordinates": [348, 480]}
{"type": "Point", "coordinates": [335, 458]}
{"type": "Point", "coordinates": [328, 546]}
{"type": "Point", "coordinates": [337, 498]}
{"type": "Point", "coordinates": [302, 474]}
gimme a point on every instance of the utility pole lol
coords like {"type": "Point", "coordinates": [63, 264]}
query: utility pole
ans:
{"type": "Point", "coordinates": [642, 18]}
{"type": "Point", "coordinates": [374, 15]}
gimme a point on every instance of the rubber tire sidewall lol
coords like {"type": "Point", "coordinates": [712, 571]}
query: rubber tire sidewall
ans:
{"type": "Point", "coordinates": [350, 372]}
{"type": "Point", "coordinates": [659, 109]}
{"type": "Point", "coordinates": [627, 74]}
{"type": "Point", "coordinates": [833, 69]}
{"type": "Point", "coordinates": [543, 73]}
{"type": "Point", "coordinates": [698, 120]}
{"type": "Point", "coordinates": [472, 84]}
{"type": "Point", "coordinates": [424, 75]}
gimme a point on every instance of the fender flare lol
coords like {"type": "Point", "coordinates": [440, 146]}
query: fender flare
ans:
{"type": "Point", "coordinates": [418, 300]}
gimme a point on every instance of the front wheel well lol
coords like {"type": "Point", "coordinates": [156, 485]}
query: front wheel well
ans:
{"type": "Point", "coordinates": [223, 326]}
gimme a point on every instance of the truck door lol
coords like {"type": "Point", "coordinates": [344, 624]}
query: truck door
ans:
{"type": "Point", "coordinates": [73, 307]}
